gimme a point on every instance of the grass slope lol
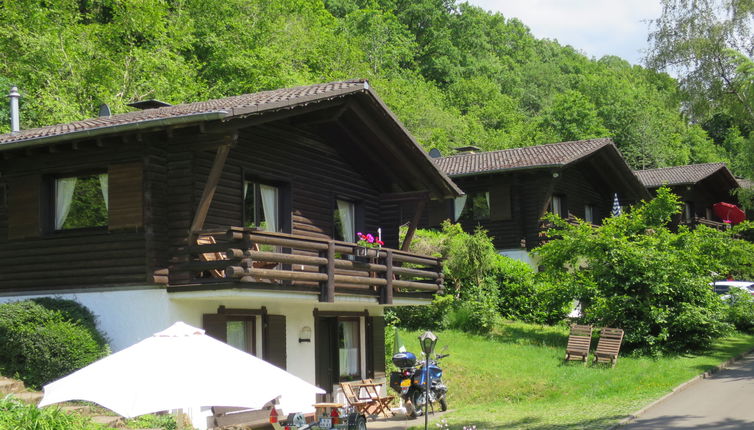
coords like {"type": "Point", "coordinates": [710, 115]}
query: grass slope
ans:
{"type": "Point", "coordinates": [516, 379]}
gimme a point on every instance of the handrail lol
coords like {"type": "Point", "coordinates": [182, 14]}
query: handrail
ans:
{"type": "Point", "coordinates": [323, 264]}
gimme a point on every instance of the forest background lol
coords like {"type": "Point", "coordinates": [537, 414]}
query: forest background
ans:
{"type": "Point", "coordinates": [454, 74]}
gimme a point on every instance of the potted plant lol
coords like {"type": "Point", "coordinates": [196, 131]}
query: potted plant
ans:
{"type": "Point", "coordinates": [367, 245]}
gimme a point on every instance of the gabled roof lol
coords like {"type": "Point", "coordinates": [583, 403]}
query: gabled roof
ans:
{"type": "Point", "coordinates": [392, 134]}
{"type": "Point", "coordinates": [224, 108]}
{"type": "Point", "coordinates": [683, 175]}
{"type": "Point", "coordinates": [531, 157]}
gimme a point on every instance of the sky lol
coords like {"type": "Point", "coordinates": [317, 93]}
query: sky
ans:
{"type": "Point", "coordinates": [594, 27]}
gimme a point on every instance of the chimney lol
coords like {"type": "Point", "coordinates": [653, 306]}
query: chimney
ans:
{"type": "Point", "coordinates": [467, 149]}
{"type": "Point", "coordinates": [14, 96]}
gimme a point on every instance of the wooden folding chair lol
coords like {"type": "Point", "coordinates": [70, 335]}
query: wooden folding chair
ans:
{"type": "Point", "coordinates": [608, 347]}
{"type": "Point", "coordinates": [382, 403]}
{"type": "Point", "coordinates": [362, 406]}
{"type": "Point", "coordinates": [579, 342]}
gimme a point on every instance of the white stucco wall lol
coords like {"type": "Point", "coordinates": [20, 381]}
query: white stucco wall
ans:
{"type": "Point", "coordinates": [520, 255]}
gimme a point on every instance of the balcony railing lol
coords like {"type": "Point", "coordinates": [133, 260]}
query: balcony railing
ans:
{"type": "Point", "coordinates": [704, 221]}
{"type": "Point", "coordinates": [279, 260]}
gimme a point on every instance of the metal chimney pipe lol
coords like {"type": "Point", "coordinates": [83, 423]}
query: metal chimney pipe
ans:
{"type": "Point", "coordinates": [14, 96]}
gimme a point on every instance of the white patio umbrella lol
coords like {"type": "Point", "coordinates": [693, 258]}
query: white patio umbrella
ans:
{"type": "Point", "coordinates": [181, 368]}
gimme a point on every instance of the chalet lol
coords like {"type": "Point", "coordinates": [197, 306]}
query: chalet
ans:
{"type": "Point", "coordinates": [238, 214]}
{"type": "Point", "coordinates": [699, 186]}
{"type": "Point", "coordinates": [508, 191]}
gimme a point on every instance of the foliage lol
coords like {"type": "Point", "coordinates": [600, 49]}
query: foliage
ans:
{"type": "Point", "coordinates": [16, 415]}
{"type": "Point", "coordinates": [164, 422]}
{"type": "Point", "coordinates": [453, 73]}
{"type": "Point", "coordinates": [634, 273]}
{"type": "Point", "coordinates": [709, 44]}
{"type": "Point", "coordinates": [740, 310]}
{"type": "Point", "coordinates": [39, 344]}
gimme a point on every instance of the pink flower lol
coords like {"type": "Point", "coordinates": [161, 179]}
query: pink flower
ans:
{"type": "Point", "coordinates": [370, 238]}
{"type": "Point", "coordinates": [380, 242]}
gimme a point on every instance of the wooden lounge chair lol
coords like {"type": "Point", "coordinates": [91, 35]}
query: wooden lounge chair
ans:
{"type": "Point", "coordinates": [217, 256]}
{"type": "Point", "coordinates": [361, 406]}
{"type": "Point", "coordinates": [578, 342]}
{"type": "Point", "coordinates": [608, 346]}
{"type": "Point", "coordinates": [382, 403]}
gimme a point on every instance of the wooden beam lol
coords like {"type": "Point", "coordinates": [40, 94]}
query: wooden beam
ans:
{"type": "Point", "coordinates": [404, 197]}
{"type": "Point", "coordinates": [414, 222]}
{"type": "Point", "coordinates": [211, 185]}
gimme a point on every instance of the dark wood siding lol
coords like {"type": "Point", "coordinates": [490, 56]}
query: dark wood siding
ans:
{"type": "Point", "coordinates": [24, 200]}
{"type": "Point", "coordinates": [33, 257]}
{"type": "Point", "coordinates": [273, 338]}
{"type": "Point", "coordinates": [126, 195]}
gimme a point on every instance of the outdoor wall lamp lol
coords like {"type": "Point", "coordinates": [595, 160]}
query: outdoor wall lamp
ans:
{"type": "Point", "coordinates": [305, 335]}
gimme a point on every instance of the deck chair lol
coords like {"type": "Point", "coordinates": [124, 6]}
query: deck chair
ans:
{"type": "Point", "coordinates": [217, 256]}
{"type": "Point", "coordinates": [381, 403]}
{"type": "Point", "coordinates": [608, 346]}
{"type": "Point", "coordinates": [578, 342]}
{"type": "Point", "coordinates": [361, 406]}
{"type": "Point", "coordinates": [211, 256]}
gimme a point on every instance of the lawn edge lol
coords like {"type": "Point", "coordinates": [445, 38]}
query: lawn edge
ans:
{"type": "Point", "coordinates": [681, 387]}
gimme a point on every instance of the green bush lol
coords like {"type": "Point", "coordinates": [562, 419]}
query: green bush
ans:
{"type": "Point", "coordinates": [634, 273]}
{"type": "Point", "coordinates": [428, 317]}
{"type": "Point", "coordinates": [39, 344]}
{"type": "Point", "coordinates": [16, 415]}
{"type": "Point", "coordinates": [740, 310]}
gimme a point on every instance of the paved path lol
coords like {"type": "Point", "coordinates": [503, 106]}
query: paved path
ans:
{"type": "Point", "coordinates": [723, 402]}
{"type": "Point", "coordinates": [401, 422]}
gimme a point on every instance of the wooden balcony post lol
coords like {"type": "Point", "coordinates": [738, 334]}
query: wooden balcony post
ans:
{"type": "Point", "coordinates": [329, 287]}
{"type": "Point", "coordinates": [386, 297]}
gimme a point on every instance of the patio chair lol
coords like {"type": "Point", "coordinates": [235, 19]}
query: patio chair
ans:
{"type": "Point", "coordinates": [579, 342]}
{"type": "Point", "coordinates": [608, 346]}
{"type": "Point", "coordinates": [382, 403]}
{"type": "Point", "coordinates": [362, 406]}
{"type": "Point", "coordinates": [218, 256]}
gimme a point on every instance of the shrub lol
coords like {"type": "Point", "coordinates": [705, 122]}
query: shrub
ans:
{"type": "Point", "coordinates": [634, 273]}
{"type": "Point", "coordinates": [40, 345]}
{"type": "Point", "coordinates": [430, 317]}
{"type": "Point", "coordinates": [740, 310]}
{"type": "Point", "coordinates": [15, 415]}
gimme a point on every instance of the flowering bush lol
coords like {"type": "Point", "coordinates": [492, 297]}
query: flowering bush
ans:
{"type": "Point", "coordinates": [368, 240]}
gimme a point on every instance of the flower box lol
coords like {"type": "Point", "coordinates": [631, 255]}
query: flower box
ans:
{"type": "Point", "coordinates": [363, 251]}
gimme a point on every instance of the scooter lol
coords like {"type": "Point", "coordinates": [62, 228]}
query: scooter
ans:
{"type": "Point", "coordinates": [410, 381]}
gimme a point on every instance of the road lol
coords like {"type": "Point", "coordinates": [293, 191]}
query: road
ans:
{"type": "Point", "coordinates": [723, 402]}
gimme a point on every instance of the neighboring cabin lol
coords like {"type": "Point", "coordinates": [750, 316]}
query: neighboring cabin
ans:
{"type": "Point", "coordinates": [508, 191]}
{"type": "Point", "coordinates": [699, 186]}
{"type": "Point", "coordinates": [237, 214]}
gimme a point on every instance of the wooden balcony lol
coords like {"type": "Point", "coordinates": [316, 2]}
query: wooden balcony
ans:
{"type": "Point", "coordinates": [692, 223]}
{"type": "Point", "coordinates": [257, 259]}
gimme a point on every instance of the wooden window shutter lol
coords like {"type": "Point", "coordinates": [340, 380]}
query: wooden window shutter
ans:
{"type": "Point", "coordinates": [24, 200]}
{"type": "Point", "coordinates": [215, 325]}
{"type": "Point", "coordinates": [126, 195]}
{"type": "Point", "coordinates": [500, 202]}
{"type": "Point", "coordinates": [273, 340]}
{"type": "Point", "coordinates": [325, 364]}
{"type": "Point", "coordinates": [375, 343]}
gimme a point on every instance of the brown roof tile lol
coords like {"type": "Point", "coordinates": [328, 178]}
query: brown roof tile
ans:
{"type": "Point", "coordinates": [678, 175]}
{"type": "Point", "coordinates": [552, 154]}
{"type": "Point", "coordinates": [235, 106]}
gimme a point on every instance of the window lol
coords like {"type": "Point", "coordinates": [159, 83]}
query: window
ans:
{"type": "Point", "coordinates": [688, 211]}
{"type": "Point", "coordinates": [556, 205]}
{"type": "Point", "coordinates": [589, 214]}
{"type": "Point", "coordinates": [477, 207]}
{"type": "Point", "coordinates": [344, 221]}
{"type": "Point", "coordinates": [261, 206]}
{"type": "Point", "coordinates": [241, 333]}
{"type": "Point", "coordinates": [349, 367]}
{"type": "Point", "coordinates": [81, 201]}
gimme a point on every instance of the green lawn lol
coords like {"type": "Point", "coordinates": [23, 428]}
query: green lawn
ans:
{"type": "Point", "coordinates": [516, 379]}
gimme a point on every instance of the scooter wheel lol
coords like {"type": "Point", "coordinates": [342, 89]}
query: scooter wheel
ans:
{"type": "Point", "coordinates": [443, 403]}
